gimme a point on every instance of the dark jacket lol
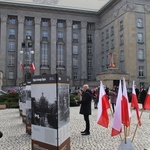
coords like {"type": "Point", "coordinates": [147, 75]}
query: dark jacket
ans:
{"type": "Point", "coordinates": [85, 108]}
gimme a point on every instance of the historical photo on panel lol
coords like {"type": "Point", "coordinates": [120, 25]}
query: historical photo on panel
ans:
{"type": "Point", "coordinates": [63, 104]}
{"type": "Point", "coordinates": [44, 105]}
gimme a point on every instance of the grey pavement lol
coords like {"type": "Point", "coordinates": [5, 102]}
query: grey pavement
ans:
{"type": "Point", "coordinates": [15, 138]}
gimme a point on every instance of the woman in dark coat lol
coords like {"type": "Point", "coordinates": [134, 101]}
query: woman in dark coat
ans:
{"type": "Point", "coordinates": [85, 108]}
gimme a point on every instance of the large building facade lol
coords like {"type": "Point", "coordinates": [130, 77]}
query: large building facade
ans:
{"type": "Point", "coordinates": [76, 41]}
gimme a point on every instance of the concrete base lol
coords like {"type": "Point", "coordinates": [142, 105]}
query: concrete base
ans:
{"type": "Point", "coordinates": [127, 146]}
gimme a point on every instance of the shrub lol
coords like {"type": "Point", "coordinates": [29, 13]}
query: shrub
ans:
{"type": "Point", "coordinates": [72, 100]}
{"type": "Point", "coordinates": [10, 100]}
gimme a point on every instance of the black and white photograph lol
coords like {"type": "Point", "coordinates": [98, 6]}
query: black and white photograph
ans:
{"type": "Point", "coordinates": [63, 104]}
{"type": "Point", "coordinates": [44, 106]}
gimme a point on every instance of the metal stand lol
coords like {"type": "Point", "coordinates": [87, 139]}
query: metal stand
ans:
{"type": "Point", "coordinates": [126, 146]}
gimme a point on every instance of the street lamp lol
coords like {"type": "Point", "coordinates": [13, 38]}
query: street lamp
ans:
{"type": "Point", "coordinates": [28, 57]}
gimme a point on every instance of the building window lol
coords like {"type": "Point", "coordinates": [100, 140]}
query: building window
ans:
{"type": "Point", "coordinates": [45, 23]}
{"type": "Point", "coordinates": [44, 54]}
{"type": "Point", "coordinates": [44, 34]}
{"type": "Point", "coordinates": [112, 30]}
{"type": "Point", "coordinates": [140, 37]}
{"type": "Point", "coordinates": [28, 32]}
{"type": "Point", "coordinates": [102, 36]}
{"type": "Point", "coordinates": [75, 36]}
{"type": "Point", "coordinates": [75, 76]}
{"type": "Point", "coordinates": [121, 25]}
{"type": "Point", "coordinates": [89, 63]}
{"type": "Point", "coordinates": [121, 39]}
{"type": "Point", "coordinates": [107, 61]}
{"type": "Point", "coordinates": [12, 20]}
{"type": "Point", "coordinates": [60, 35]}
{"type": "Point", "coordinates": [141, 54]}
{"type": "Point", "coordinates": [75, 49]}
{"type": "Point", "coordinates": [112, 44]}
{"type": "Point", "coordinates": [75, 62]}
{"type": "Point", "coordinates": [60, 59]}
{"type": "Point", "coordinates": [141, 71]}
{"type": "Point", "coordinates": [139, 22]}
{"type": "Point", "coordinates": [89, 76]}
{"type": "Point", "coordinates": [122, 55]}
{"type": "Point", "coordinates": [11, 46]}
{"type": "Point", "coordinates": [11, 75]}
{"type": "Point", "coordinates": [103, 48]}
{"type": "Point", "coordinates": [107, 46]}
{"type": "Point", "coordinates": [75, 25]}
{"type": "Point", "coordinates": [89, 26]}
{"type": "Point", "coordinates": [11, 60]}
{"type": "Point", "coordinates": [89, 50]}
{"type": "Point", "coordinates": [29, 21]}
{"type": "Point", "coordinates": [103, 62]}
{"type": "Point", "coordinates": [89, 38]}
{"type": "Point", "coordinates": [60, 24]}
{"type": "Point", "coordinates": [107, 33]}
{"type": "Point", "coordinates": [11, 33]}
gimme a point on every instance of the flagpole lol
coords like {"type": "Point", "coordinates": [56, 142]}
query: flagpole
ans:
{"type": "Point", "coordinates": [130, 125]}
{"type": "Point", "coordinates": [125, 134]}
{"type": "Point", "coordinates": [137, 125]}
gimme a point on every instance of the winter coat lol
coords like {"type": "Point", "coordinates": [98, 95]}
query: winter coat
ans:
{"type": "Point", "coordinates": [113, 97]}
{"type": "Point", "coordinates": [85, 107]}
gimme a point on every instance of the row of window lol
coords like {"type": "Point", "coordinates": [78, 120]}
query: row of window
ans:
{"type": "Point", "coordinates": [46, 22]}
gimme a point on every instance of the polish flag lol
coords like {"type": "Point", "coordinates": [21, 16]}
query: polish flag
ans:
{"type": "Point", "coordinates": [125, 109]}
{"type": "Point", "coordinates": [21, 65]}
{"type": "Point", "coordinates": [32, 67]}
{"type": "Point", "coordinates": [117, 122]}
{"type": "Point", "coordinates": [147, 100]}
{"type": "Point", "coordinates": [134, 103]}
{"type": "Point", "coordinates": [103, 105]}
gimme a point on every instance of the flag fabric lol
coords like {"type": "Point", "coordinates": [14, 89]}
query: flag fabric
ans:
{"type": "Point", "coordinates": [147, 100]}
{"type": "Point", "coordinates": [32, 67]}
{"type": "Point", "coordinates": [117, 122]}
{"type": "Point", "coordinates": [21, 65]}
{"type": "Point", "coordinates": [103, 105]}
{"type": "Point", "coordinates": [125, 110]}
{"type": "Point", "coordinates": [134, 103]}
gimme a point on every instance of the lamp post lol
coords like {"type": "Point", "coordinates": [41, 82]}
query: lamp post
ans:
{"type": "Point", "coordinates": [28, 58]}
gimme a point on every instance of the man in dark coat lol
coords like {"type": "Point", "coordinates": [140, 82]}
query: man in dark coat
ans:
{"type": "Point", "coordinates": [143, 94]}
{"type": "Point", "coordinates": [85, 108]}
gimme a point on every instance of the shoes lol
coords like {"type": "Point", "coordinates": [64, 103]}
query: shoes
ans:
{"type": "Point", "coordinates": [83, 131]}
{"type": "Point", "coordinates": [86, 133]}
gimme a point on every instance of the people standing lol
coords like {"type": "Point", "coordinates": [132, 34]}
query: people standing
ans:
{"type": "Point", "coordinates": [143, 94]}
{"type": "Point", "coordinates": [113, 98]}
{"type": "Point", "coordinates": [85, 108]}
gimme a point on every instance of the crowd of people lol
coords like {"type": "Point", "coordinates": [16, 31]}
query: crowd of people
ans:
{"type": "Point", "coordinates": [86, 96]}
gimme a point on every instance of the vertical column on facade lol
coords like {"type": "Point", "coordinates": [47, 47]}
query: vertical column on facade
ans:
{"type": "Point", "coordinates": [97, 49]}
{"type": "Point", "coordinates": [83, 50]}
{"type": "Point", "coordinates": [3, 49]}
{"type": "Point", "coordinates": [69, 49]}
{"type": "Point", "coordinates": [20, 41]}
{"type": "Point", "coordinates": [37, 45]}
{"type": "Point", "coordinates": [53, 45]}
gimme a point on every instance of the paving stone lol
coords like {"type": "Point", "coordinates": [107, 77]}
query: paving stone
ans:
{"type": "Point", "coordinates": [15, 138]}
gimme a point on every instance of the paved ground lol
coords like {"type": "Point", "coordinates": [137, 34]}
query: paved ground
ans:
{"type": "Point", "coordinates": [15, 137]}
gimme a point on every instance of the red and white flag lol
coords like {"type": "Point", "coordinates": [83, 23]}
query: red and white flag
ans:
{"type": "Point", "coordinates": [134, 103]}
{"type": "Point", "coordinates": [125, 109]}
{"type": "Point", "coordinates": [21, 65]}
{"type": "Point", "coordinates": [147, 100]}
{"type": "Point", "coordinates": [103, 105]}
{"type": "Point", "coordinates": [32, 67]}
{"type": "Point", "coordinates": [117, 122]}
